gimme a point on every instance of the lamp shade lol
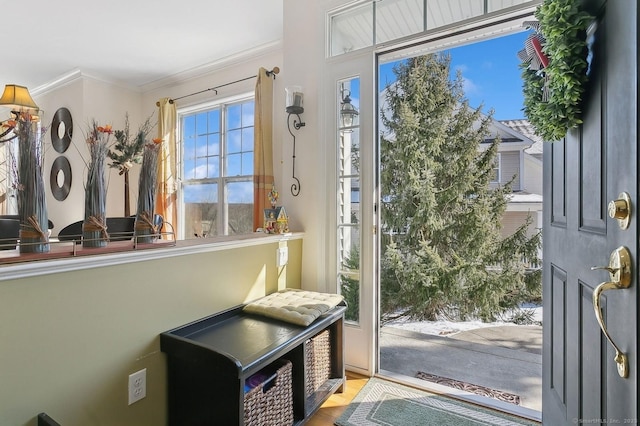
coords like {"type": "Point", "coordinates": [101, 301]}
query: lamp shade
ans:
{"type": "Point", "coordinates": [17, 96]}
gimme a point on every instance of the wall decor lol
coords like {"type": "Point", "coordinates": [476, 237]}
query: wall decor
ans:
{"type": "Point", "coordinates": [61, 130]}
{"type": "Point", "coordinates": [60, 165]}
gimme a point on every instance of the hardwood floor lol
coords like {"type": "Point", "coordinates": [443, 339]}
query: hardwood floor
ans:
{"type": "Point", "coordinates": [337, 403]}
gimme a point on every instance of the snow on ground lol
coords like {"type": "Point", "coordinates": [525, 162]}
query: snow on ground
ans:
{"type": "Point", "coordinates": [448, 328]}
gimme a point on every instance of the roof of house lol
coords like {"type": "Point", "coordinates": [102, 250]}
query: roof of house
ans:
{"type": "Point", "coordinates": [525, 128]}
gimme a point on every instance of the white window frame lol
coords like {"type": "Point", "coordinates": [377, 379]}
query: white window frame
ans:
{"type": "Point", "coordinates": [498, 167]}
{"type": "Point", "coordinates": [222, 180]}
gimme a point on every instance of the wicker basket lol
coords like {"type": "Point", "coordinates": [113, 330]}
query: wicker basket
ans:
{"type": "Point", "coordinates": [270, 402]}
{"type": "Point", "coordinates": [317, 353]}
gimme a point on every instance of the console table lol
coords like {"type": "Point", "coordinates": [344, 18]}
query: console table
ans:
{"type": "Point", "coordinates": [209, 360]}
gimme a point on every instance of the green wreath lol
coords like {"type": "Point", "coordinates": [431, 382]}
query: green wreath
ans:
{"type": "Point", "coordinates": [553, 94]}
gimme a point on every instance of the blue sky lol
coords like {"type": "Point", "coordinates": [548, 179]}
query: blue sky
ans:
{"type": "Point", "coordinates": [491, 74]}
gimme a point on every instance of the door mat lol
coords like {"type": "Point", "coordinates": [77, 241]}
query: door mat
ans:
{"type": "Point", "coordinates": [381, 402]}
{"type": "Point", "coordinates": [470, 387]}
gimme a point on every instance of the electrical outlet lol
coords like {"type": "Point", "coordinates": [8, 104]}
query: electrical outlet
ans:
{"type": "Point", "coordinates": [282, 256]}
{"type": "Point", "coordinates": [137, 386]}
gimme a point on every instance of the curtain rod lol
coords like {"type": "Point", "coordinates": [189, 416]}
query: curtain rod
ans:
{"type": "Point", "coordinates": [273, 73]}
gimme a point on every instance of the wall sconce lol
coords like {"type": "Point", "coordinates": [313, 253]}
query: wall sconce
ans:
{"type": "Point", "coordinates": [294, 107]}
{"type": "Point", "coordinates": [348, 113]}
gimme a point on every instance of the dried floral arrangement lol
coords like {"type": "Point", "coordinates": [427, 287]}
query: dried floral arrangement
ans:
{"type": "Point", "coordinates": [94, 229]}
{"type": "Point", "coordinates": [147, 187]}
{"type": "Point", "coordinates": [32, 205]}
{"type": "Point", "coordinates": [127, 151]}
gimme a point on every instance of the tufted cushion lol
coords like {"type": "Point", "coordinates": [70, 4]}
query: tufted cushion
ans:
{"type": "Point", "coordinates": [299, 307]}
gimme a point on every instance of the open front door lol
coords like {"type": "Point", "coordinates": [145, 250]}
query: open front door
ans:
{"type": "Point", "coordinates": [583, 174]}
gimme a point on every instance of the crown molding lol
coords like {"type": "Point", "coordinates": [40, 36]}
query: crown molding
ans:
{"type": "Point", "coordinates": [76, 75]}
{"type": "Point", "coordinates": [208, 68]}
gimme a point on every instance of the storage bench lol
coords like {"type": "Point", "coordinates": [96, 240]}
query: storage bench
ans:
{"type": "Point", "coordinates": [210, 361]}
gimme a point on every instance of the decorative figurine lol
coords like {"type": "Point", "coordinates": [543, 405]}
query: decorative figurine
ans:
{"type": "Point", "coordinates": [276, 220]}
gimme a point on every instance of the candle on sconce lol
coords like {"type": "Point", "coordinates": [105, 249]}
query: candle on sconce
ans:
{"type": "Point", "coordinates": [294, 100]}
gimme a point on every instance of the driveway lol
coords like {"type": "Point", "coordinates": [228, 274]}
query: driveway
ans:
{"type": "Point", "coordinates": [503, 358]}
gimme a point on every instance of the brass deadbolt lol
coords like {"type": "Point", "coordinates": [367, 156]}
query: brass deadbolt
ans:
{"type": "Point", "coordinates": [620, 209]}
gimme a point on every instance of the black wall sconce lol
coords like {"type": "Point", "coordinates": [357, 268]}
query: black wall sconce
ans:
{"type": "Point", "coordinates": [294, 107]}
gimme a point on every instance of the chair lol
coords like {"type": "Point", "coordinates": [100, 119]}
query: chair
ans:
{"type": "Point", "coordinates": [71, 232]}
{"type": "Point", "coordinates": [15, 216]}
{"type": "Point", "coordinates": [9, 233]}
{"type": "Point", "coordinates": [118, 228]}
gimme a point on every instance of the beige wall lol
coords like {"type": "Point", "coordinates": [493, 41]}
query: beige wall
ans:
{"type": "Point", "coordinates": [88, 99]}
{"type": "Point", "coordinates": [71, 339]}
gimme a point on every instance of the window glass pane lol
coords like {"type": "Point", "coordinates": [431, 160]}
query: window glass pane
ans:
{"type": "Point", "coordinates": [190, 168]}
{"type": "Point", "coordinates": [240, 205]}
{"type": "Point", "coordinates": [213, 144]}
{"type": "Point", "coordinates": [444, 12]}
{"type": "Point", "coordinates": [189, 125]}
{"type": "Point", "coordinates": [214, 121]}
{"type": "Point", "coordinates": [234, 117]}
{"type": "Point", "coordinates": [349, 273]}
{"type": "Point", "coordinates": [213, 169]}
{"type": "Point", "coordinates": [398, 18]}
{"type": "Point", "coordinates": [234, 164]}
{"type": "Point", "coordinates": [349, 200]}
{"type": "Point", "coordinates": [201, 123]}
{"type": "Point", "coordinates": [247, 114]}
{"type": "Point", "coordinates": [200, 210]}
{"type": "Point", "coordinates": [247, 139]}
{"type": "Point", "coordinates": [234, 141]}
{"type": "Point", "coordinates": [189, 148]}
{"type": "Point", "coordinates": [247, 164]}
{"type": "Point", "coordinates": [201, 168]}
{"type": "Point", "coordinates": [352, 30]}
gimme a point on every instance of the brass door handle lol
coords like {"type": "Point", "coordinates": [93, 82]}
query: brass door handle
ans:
{"type": "Point", "coordinates": [620, 278]}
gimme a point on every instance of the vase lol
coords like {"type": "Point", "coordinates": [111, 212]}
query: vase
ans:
{"type": "Point", "coordinates": [146, 230]}
{"type": "Point", "coordinates": [32, 206]}
{"type": "Point", "coordinates": [94, 228]}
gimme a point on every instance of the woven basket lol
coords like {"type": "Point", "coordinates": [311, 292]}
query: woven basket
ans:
{"type": "Point", "coordinates": [270, 403]}
{"type": "Point", "coordinates": [317, 353]}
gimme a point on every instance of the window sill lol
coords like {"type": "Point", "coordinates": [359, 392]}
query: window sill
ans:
{"type": "Point", "coordinates": [124, 253]}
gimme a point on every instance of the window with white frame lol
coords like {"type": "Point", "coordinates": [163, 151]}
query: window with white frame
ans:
{"type": "Point", "coordinates": [495, 177]}
{"type": "Point", "coordinates": [217, 169]}
{"type": "Point", "coordinates": [348, 192]}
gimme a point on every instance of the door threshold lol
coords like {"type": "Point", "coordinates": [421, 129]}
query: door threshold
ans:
{"type": "Point", "coordinates": [494, 404]}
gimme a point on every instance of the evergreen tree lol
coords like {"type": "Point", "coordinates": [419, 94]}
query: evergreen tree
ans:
{"type": "Point", "coordinates": [442, 252]}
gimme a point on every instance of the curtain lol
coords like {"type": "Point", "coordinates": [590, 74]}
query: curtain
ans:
{"type": "Point", "coordinates": [263, 147]}
{"type": "Point", "coordinates": [166, 198]}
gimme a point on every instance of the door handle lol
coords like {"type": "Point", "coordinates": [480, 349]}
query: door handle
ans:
{"type": "Point", "coordinates": [619, 278]}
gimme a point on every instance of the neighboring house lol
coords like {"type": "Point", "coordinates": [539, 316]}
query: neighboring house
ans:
{"type": "Point", "coordinates": [519, 158]}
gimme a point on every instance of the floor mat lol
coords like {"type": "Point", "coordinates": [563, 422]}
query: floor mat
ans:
{"type": "Point", "coordinates": [470, 387]}
{"type": "Point", "coordinates": [382, 402]}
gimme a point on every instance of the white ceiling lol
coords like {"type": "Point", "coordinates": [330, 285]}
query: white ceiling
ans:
{"type": "Point", "coordinates": [133, 42]}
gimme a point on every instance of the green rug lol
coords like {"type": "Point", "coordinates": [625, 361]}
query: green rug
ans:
{"type": "Point", "coordinates": [386, 403]}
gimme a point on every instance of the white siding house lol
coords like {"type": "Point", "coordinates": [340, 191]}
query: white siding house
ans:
{"type": "Point", "coordinates": [520, 159]}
